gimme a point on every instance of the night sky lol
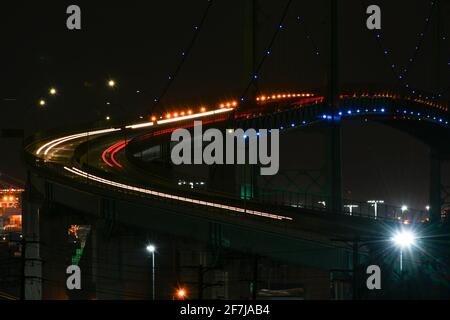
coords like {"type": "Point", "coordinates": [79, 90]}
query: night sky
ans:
{"type": "Point", "coordinates": [139, 44]}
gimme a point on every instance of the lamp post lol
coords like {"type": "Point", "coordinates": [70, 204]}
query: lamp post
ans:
{"type": "Point", "coordinates": [403, 239]}
{"type": "Point", "coordinates": [350, 208]}
{"type": "Point", "coordinates": [151, 249]}
{"type": "Point", "coordinates": [375, 204]}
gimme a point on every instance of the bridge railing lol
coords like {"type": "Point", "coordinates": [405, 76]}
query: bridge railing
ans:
{"type": "Point", "coordinates": [349, 207]}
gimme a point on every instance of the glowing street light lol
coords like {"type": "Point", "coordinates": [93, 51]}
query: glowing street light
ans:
{"type": "Point", "coordinates": [404, 208]}
{"type": "Point", "coordinates": [151, 249]}
{"type": "Point", "coordinates": [108, 118]}
{"type": "Point", "coordinates": [181, 294]}
{"type": "Point", "coordinates": [111, 83]}
{"type": "Point", "coordinates": [53, 91]}
{"type": "Point", "coordinates": [42, 102]}
{"type": "Point", "coordinates": [404, 239]}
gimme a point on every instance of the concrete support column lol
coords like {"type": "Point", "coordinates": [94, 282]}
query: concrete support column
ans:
{"type": "Point", "coordinates": [32, 277]}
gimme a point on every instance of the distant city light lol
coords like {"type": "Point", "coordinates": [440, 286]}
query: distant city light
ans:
{"type": "Point", "coordinates": [42, 102]}
{"type": "Point", "coordinates": [53, 91]}
{"type": "Point", "coordinates": [111, 83]}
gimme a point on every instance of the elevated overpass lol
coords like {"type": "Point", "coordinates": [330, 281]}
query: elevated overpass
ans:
{"type": "Point", "coordinates": [96, 173]}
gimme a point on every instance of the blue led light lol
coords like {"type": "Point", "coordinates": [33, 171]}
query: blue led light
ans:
{"type": "Point", "coordinates": [324, 116]}
{"type": "Point", "coordinates": [293, 125]}
{"type": "Point", "coordinates": [349, 112]}
{"type": "Point", "coordinates": [358, 111]}
{"type": "Point", "coordinates": [383, 110]}
{"type": "Point", "coordinates": [340, 113]}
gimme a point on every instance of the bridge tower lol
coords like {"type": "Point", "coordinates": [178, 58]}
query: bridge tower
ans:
{"type": "Point", "coordinates": [334, 132]}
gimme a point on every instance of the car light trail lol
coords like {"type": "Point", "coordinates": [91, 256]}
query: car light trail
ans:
{"type": "Point", "coordinates": [109, 150]}
{"type": "Point", "coordinates": [141, 125]}
{"type": "Point", "coordinates": [54, 143]}
{"type": "Point", "coordinates": [117, 149]}
{"type": "Point", "coordinates": [174, 197]}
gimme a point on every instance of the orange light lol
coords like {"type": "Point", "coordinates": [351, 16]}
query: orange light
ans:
{"type": "Point", "coordinates": [175, 114]}
{"type": "Point", "coordinates": [203, 109]}
{"type": "Point", "coordinates": [168, 116]}
{"type": "Point", "coordinates": [153, 118]}
{"type": "Point", "coordinates": [222, 106]}
{"type": "Point", "coordinates": [5, 198]}
{"type": "Point", "coordinates": [181, 294]}
{"type": "Point", "coordinates": [189, 112]}
{"type": "Point", "coordinates": [234, 103]}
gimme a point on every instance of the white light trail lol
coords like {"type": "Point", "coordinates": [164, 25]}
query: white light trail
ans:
{"type": "Point", "coordinates": [173, 197]}
{"type": "Point", "coordinates": [142, 125]}
{"type": "Point", "coordinates": [52, 144]}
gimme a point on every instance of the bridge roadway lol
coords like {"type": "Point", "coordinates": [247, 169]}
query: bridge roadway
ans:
{"type": "Point", "coordinates": [87, 168]}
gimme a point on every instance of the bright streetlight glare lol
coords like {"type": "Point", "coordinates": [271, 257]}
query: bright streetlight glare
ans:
{"type": "Point", "coordinates": [404, 208]}
{"type": "Point", "coordinates": [111, 83]}
{"type": "Point", "coordinates": [53, 91]}
{"type": "Point", "coordinates": [151, 248]}
{"type": "Point", "coordinates": [42, 103]}
{"type": "Point", "coordinates": [404, 239]}
{"type": "Point", "coordinates": [181, 293]}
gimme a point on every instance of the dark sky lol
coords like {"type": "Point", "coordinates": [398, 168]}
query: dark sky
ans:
{"type": "Point", "coordinates": [139, 43]}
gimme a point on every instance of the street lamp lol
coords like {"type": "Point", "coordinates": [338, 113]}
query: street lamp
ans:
{"type": "Point", "coordinates": [350, 208]}
{"type": "Point", "coordinates": [151, 249]}
{"type": "Point", "coordinates": [375, 203]}
{"type": "Point", "coordinates": [42, 102]}
{"type": "Point", "coordinates": [181, 294]}
{"type": "Point", "coordinates": [53, 91]}
{"type": "Point", "coordinates": [403, 240]}
{"type": "Point", "coordinates": [111, 83]}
